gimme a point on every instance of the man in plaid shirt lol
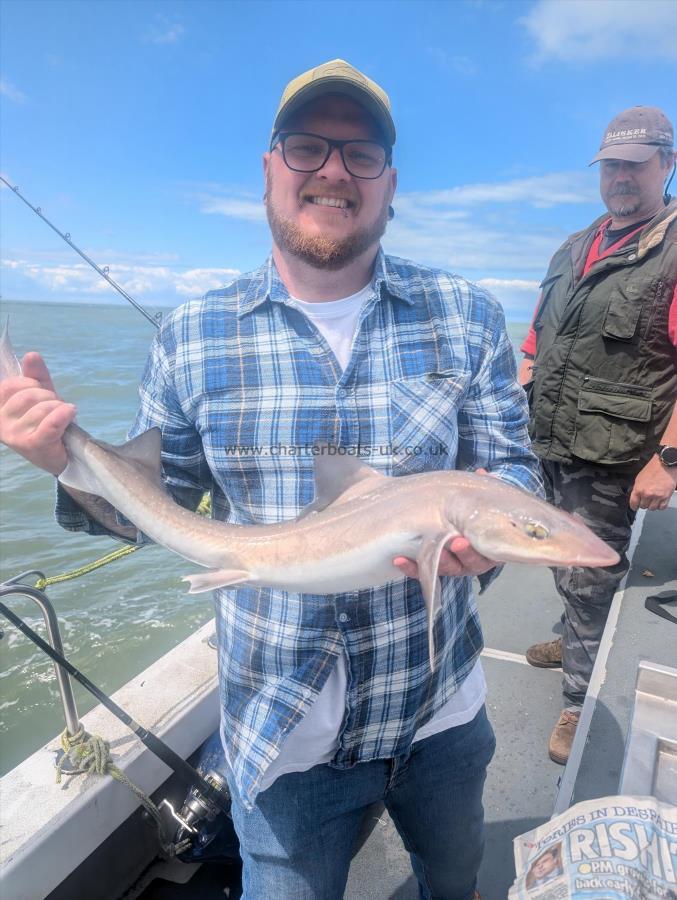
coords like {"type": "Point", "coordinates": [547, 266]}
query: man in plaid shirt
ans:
{"type": "Point", "coordinates": [328, 703]}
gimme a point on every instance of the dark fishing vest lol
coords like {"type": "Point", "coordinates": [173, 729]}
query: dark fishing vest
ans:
{"type": "Point", "coordinates": [605, 373]}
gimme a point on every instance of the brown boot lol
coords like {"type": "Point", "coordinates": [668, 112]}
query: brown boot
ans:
{"type": "Point", "coordinates": [547, 655]}
{"type": "Point", "coordinates": [562, 737]}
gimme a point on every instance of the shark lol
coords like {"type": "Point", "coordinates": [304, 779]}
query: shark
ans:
{"type": "Point", "coordinates": [347, 539]}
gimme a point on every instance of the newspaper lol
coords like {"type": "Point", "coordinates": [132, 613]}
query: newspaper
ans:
{"type": "Point", "coordinates": [614, 848]}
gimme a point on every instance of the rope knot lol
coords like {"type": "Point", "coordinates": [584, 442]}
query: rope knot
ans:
{"type": "Point", "coordinates": [88, 753]}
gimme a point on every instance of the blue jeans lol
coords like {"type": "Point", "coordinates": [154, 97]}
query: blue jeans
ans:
{"type": "Point", "coordinates": [297, 841]}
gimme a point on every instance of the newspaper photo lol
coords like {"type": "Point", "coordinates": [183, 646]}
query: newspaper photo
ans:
{"type": "Point", "coordinates": [613, 848]}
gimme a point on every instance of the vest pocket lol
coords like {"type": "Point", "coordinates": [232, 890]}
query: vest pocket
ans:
{"type": "Point", "coordinates": [611, 421]}
{"type": "Point", "coordinates": [623, 312]}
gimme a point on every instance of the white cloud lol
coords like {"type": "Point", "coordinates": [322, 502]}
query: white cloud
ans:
{"type": "Point", "coordinates": [486, 227]}
{"type": "Point", "coordinates": [137, 280]}
{"type": "Point", "coordinates": [12, 93]}
{"type": "Point", "coordinates": [509, 284]}
{"type": "Point", "coordinates": [196, 282]}
{"type": "Point", "coordinates": [243, 208]}
{"type": "Point", "coordinates": [517, 295]}
{"type": "Point", "coordinates": [473, 246]}
{"type": "Point", "coordinates": [540, 191]}
{"type": "Point", "coordinates": [592, 30]}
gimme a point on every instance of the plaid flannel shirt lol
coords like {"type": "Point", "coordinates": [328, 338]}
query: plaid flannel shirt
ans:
{"type": "Point", "coordinates": [243, 387]}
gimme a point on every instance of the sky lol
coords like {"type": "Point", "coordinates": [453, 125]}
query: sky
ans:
{"type": "Point", "coordinates": [138, 128]}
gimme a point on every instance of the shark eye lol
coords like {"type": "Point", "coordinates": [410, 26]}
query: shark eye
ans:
{"type": "Point", "coordinates": [536, 530]}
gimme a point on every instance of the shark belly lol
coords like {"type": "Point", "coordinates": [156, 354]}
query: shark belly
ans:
{"type": "Point", "coordinates": [352, 569]}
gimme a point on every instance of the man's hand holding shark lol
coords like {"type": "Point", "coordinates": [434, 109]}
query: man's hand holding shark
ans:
{"type": "Point", "coordinates": [33, 417]}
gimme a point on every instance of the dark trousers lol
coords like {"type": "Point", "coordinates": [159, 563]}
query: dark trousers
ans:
{"type": "Point", "coordinates": [600, 497]}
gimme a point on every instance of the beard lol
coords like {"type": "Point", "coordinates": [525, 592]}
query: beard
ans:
{"type": "Point", "coordinates": [625, 201]}
{"type": "Point", "coordinates": [320, 251]}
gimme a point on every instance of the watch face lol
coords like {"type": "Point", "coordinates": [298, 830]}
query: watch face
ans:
{"type": "Point", "coordinates": [668, 456]}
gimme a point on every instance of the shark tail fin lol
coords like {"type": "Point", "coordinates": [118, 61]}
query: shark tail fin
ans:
{"type": "Point", "coordinates": [9, 364]}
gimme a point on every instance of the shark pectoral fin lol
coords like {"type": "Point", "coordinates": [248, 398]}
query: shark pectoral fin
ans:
{"type": "Point", "coordinates": [215, 578]}
{"type": "Point", "coordinates": [78, 476]}
{"type": "Point", "coordinates": [428, 561]}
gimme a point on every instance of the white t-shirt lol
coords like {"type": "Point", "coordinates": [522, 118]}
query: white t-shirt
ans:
{"type": "Point", "coordinates": [315, 739]}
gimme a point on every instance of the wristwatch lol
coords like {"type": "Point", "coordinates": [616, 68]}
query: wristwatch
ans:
{"type": "Point", "coordinates": [667, 455]}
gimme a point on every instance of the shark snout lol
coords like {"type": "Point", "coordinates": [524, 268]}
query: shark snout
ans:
{"type": "Point", "coordinates": [556, 539]}
{"type": "Point", "coordinates": [593, 553]}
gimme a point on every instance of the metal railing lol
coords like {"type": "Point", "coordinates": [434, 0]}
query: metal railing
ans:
{"type": "Point", "coordinates": [16, 586]}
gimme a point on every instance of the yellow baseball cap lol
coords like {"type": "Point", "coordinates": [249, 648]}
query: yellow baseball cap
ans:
{"type": "Point", "coordinates": [337, 77]}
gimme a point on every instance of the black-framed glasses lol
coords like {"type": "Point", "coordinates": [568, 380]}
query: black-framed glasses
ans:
{"type": "Point", "coordinates": [304, 152]}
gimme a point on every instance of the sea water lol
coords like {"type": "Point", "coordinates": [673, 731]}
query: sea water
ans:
{"type": "Point", "coordinates": [118, 619]}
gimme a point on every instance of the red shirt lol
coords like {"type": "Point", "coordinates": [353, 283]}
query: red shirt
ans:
{"type": "Point", "coordinates": [594, 255]}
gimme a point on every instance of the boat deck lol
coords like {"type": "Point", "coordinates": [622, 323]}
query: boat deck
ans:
{"type": "Point", "coordinates": [523, 786]}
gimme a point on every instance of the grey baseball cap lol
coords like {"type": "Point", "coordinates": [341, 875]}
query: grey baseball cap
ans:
{"type": "Point", "coordinates": [636, 134]}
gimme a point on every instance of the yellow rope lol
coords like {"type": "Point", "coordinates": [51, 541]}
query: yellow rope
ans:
{"type": "Point", "coordinates": [204, 509]}
{"type": "Point", "coordinates": [205, 505]}
{"type": "Point", "coordinates": [42, 583]}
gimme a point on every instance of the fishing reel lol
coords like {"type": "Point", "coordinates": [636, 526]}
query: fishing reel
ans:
{"type": "Point", "coordinates": [197, 807]}
{"type": "Point", "coordinates": [205, 831]}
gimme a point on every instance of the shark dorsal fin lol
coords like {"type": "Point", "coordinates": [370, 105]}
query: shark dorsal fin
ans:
{"type": "Point", "coordinates": [145, 450]}
{"type": "Point", "coordinates": [337, 472]}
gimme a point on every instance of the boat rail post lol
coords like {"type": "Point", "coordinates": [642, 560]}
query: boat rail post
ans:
{"type": "Point", "coordinates": [15, 586]}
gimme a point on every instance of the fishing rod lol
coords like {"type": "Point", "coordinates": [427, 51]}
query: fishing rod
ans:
{"type": "Point", "coordinates": [185, 772]}
{"type": "Point", "coordinates": [103, 272]}
{"type": "Point", "coordinates": [213, 792]}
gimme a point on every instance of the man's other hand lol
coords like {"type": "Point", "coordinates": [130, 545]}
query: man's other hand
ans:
{"type": "Point", "coordinates": [525, 372]}
{"type": "Point", "coordinates": [654, 486]}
